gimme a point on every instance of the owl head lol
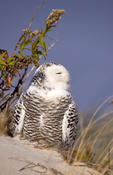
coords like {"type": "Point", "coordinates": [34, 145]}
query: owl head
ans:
{"type": "Point", "coordinates": [51, 76]}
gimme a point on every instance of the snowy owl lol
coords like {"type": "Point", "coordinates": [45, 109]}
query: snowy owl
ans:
{"type": "Point", "coordinates": [46, 111]}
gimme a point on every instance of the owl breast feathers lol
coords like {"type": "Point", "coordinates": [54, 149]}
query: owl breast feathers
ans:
{"type": "Point", "coordinates": [46, 111]}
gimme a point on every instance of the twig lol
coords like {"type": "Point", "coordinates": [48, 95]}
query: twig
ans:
{"type": "Point", "coordinates": [28, 74]}
{"type": "Point", "coordinates": [56, 172]}
{"type": "Point", "coordinates": [42, 166]}
{"type": "Point", "coordinates": [28, 166]}
{"type": "Point", "coordinates": [18, 42]}
{"type": "Point", "coordinates": [38, 7]}
{"type": "Point", "coordinates": [32, 165]}
{"type": "Point", "coordinates": [4, 98]}
{"type": "Point", "coordinates": [16, 90]}
{"type": "Point", "coordinates": [1, 84]}
{"type": "Point", "coordinates": [52, 45]}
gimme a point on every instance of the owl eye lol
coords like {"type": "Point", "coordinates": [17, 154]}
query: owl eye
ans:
{"type": "Point", "coordinates": [58, 72]}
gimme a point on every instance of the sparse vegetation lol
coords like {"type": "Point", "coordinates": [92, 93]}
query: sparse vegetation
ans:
{"type": "Point", "coordinates": [94, 146]}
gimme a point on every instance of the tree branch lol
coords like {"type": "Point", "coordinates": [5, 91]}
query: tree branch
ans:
{"type": "Point", "coordinates": [15, 91]}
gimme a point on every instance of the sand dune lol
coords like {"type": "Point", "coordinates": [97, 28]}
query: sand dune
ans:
{"type": "Point", "coordinates": [18, 157]}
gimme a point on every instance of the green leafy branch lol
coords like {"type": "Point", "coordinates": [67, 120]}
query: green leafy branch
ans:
{"type": "Point", "coordinates": [34, 43]}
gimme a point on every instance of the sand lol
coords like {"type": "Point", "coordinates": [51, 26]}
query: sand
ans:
{"type": "Point", "coordinates": [19, 157]}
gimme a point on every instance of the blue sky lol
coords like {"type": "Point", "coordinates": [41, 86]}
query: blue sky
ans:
{"type": "Point", "coordinates": [85, 46]}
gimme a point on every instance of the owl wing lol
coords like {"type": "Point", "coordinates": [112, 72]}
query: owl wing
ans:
{"type": "Point", "coordinates": [17, 120]}
{"type": "Point", "coordinates": [69, 124]}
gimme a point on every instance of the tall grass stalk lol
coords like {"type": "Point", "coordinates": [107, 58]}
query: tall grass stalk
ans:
{"type": "Point", "coordinates": [88, 138]}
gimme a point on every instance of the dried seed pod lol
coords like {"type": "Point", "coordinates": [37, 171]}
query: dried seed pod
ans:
{"type": "Point", "coordinates": [54, 16]}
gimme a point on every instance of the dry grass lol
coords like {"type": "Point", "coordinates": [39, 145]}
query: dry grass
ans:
{"type": "Point", "coordinates": [3, 122]}
{"type": "Point", "coordinates": [94, 146]}
{"type": "Point", "coordinates": [5, 117]}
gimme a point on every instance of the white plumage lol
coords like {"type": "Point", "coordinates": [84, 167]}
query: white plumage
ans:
{"type": "Point", "coordinates": [46, 111]}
